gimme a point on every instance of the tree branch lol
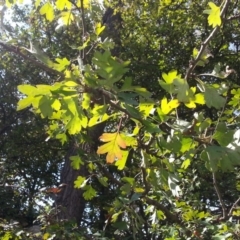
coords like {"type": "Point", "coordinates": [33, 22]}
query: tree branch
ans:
{"type": "Point", "coordinates": [224, 213]}
{"type": "Point", "coordinates": [170, 217]}
{"type": "Point", "coordinates": [233, 206]}
{"type": "Point", "coordinates": [30, 59]}
{"type": "Point", "coordinates": [233, 17]}
{"type": "Point", "coordinates": [205, 43]}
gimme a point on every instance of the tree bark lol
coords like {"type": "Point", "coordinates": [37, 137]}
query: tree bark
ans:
{"type": "Point", "coordinates": [70, 201]}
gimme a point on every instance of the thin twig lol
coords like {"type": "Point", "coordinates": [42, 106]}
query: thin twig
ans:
{"type": "Point", "coordinates": [224, 213]}
{"type": "Point", "coordinates": [83, 28]}
{"type": "Point", "coordinates": [233, 206]}
{"type": "Point", "coordinates": [205, 43]}
{"type": "Point", "coordinates": [170, 217]}
{"type": "Point", "coordinates": [233, 17]}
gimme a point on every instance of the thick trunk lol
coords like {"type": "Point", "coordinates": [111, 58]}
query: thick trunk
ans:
{"type": "Point", "coordinates": [70, 201]}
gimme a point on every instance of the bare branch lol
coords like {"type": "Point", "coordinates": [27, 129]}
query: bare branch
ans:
{"type": "Point", "coordinates": [233, 17]}
{"type": "Point", "coordinates": [205, 43]}
{"type": "Point", "coordinates": [224, 213]}
{"type": "Point", "coordinates": [170, 217]}
{"type": "Point", "coordinates": [233, 206]}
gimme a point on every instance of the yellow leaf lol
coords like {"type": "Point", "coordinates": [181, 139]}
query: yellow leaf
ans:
{"type": "Point", "coordinates": [106, 137]}
{"type": "Point", "coordinates": [214, 17]}
{"type": "Point", "coordinates": [37, 3]}
{"type": "Point", "coordinates": [199, 98]}
{"type": "Point", "coordinates": [191, 104]}
{"type": "Point", "coordinates": [168, 107]}
{"type": "Point", "coordinates": [99, 28]}
{"type": "Point", "coordinates": [86, 3]}
{"type": "Point", "coordinates": [9, 3]}
{"type": "Point", "coordinates": [120, 141]}
{"type": "Point", "coordinates": [173, 103]}
{"type": "Point", "coordinates": [168, 78]}
{"type": "Point", "coordinates": [66, 18]}
{"type": "Point", "coordinates": [61, 4]}
{"type": "Point", "coordinates": [47, 9]}
{"type": "Point", "coordinates": [56, 105]}
{"type": "Point", "coordinates": [46, 236]}
{"type": "Point", "coordinates": [112, 147]}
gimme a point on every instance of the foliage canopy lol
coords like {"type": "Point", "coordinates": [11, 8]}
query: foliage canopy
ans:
{"type": "Point", "coordinates": [147, 95]}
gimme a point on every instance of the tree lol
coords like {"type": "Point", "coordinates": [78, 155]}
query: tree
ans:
{"type": "Point", "coordinates": [147, 100]}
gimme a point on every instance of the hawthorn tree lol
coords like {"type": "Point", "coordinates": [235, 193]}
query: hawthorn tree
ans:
{"type": "Point", "coordinates": [146, 97]}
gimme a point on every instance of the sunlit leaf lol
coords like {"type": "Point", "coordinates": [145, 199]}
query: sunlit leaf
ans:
{"type": "Point", "coordinates": [80, 182]}
{"type": "Point", "coordinates": [214, 17]}
{"type": "Point", "coordinates": [120, 163]}
{"type": "Point", "coordinates": [112, 147]}
{"type": "Point", "coordinates": [61, 4]}
{"type": "Point", "coordinates": [47, 9]}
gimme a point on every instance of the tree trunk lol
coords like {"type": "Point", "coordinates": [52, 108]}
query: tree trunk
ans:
{"type": "Point", "coordinates": [70, 201]}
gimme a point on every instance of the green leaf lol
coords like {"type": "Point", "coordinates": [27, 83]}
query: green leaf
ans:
{"type": "Point", "coordinates": [99, 115]}
{"type": "Point", "coordinates": [182, 90]}
{"type": "Point", "coordinates": [45, 107]}
{"type": "Point", "coordinates": [223, 135]}
{"type": "Point", "coordinates": [25, 102]}
{"type": "Point", "coordinates": [187, 144]}
{"type": "Point", "coordinates": [27, 89]}
{"type": "Point", "coordinates": [80, 182]}
{"type": "Point", "coordinates": [103, 181]}
{"type": "Point", "coordinates": [212, 98]}
{"type": "Point", "coordinates": [74, 125]}
{"type": "Point", "coordinates": [186, 163]}
{"type": "Point", "coordinates": [89, 192]}
{"type": "Point", "coordinates": [62, 64]}
{"type": "Point", "coordinates": [86, 100]}
{"type": "Point", "coordinates": [220, 157]}
{"type": "Point", "coordinates": [76, 162]}
{"type": "Point", "coordinates": [120, 163]}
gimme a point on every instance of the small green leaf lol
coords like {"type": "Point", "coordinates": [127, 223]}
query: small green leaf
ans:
{"type": "Point", "coordinates": [76, 162]}
{"type": "Point", "coordinates": [212, 98]}
{"type": "Point", "coordinates": [27, 89]}
{"type": "Point", "coordinates": [80, 182]}
{"type": "Point", "coordinates": [186, 163]}
{"type": "Point", "coordinates": [223, 135]}
{"type": "Point", "coordinates": [86, 100]}
{"type": "Point", "coordinates": [74, 126]}
{"type": "Point", "coordinates": [89, 192]}
{"type": "Point", "coordinates": [62, 64]}
{"type": "Point", "coordinates": [103, 181]}
{"type": "Point", "coordinates": [120, 163]}
{"type": "Point", "coordinates": [25, 102]}
{"type": "Point", "coordinates": [45, 107]}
